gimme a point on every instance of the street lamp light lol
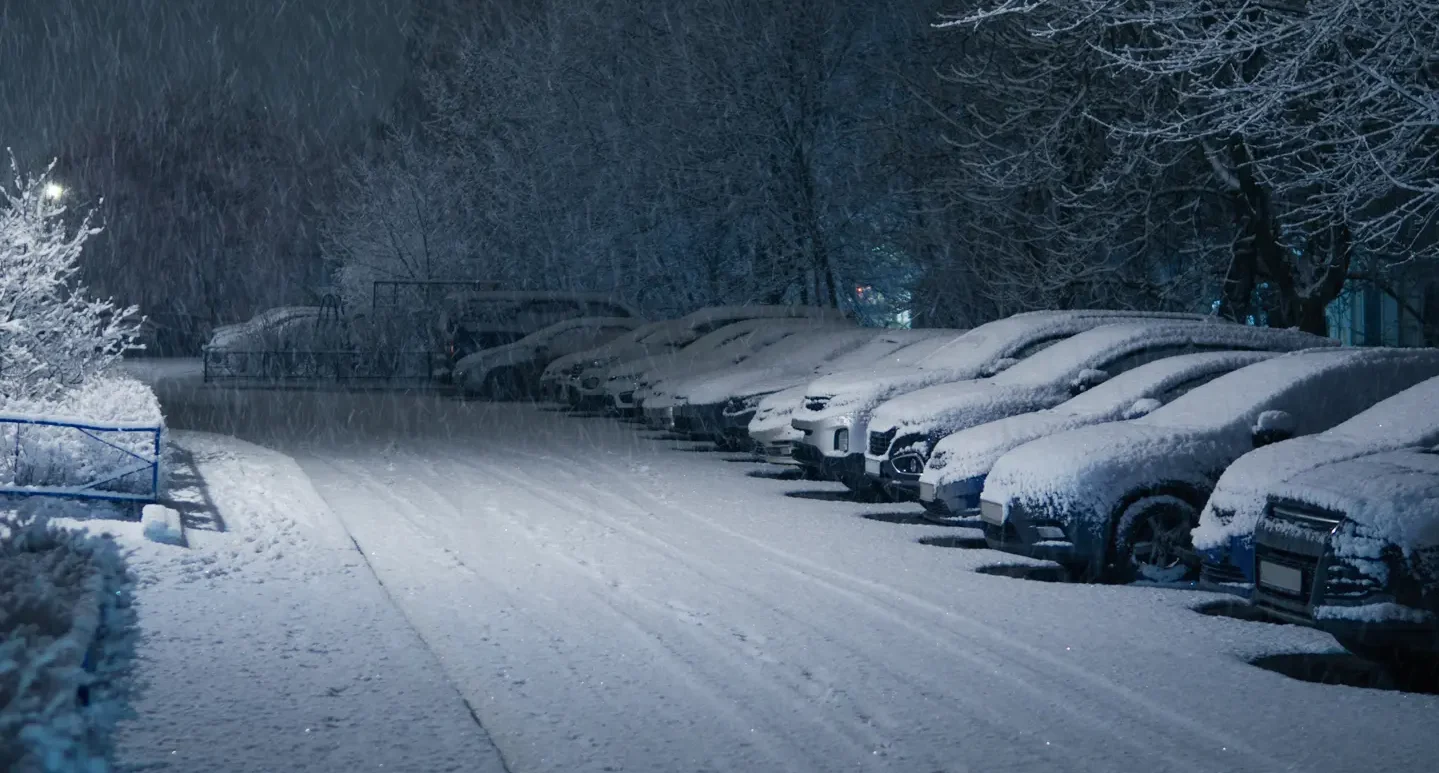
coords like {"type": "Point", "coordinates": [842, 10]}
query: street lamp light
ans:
{"type": "Point", "coordinates": [54, 191]}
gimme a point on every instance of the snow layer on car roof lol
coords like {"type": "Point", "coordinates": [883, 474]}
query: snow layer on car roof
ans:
{"type": "Point", "coordinates": [1410, 418]}
{"type": "Point", "coordinates": [1120, 392]}
{"type": "Point", "coordinates": [795, 356]}
{"type": "Point", "coordinates": [1001, 337]}
{"type": "Point", "coordinates": [1393, 496]}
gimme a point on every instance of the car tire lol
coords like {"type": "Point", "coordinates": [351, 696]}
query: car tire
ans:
{"type": "Point", "coordinates": [1152, 542]}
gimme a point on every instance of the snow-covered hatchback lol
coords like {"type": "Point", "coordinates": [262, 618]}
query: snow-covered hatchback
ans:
{"type": "Point", "coordinates": [1353, 548]}
{"type": "Point", "coordinates": [1117, 501]}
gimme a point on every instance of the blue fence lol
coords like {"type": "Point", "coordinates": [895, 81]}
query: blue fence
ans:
{"type": "Point", "coordinates": [79, 459]}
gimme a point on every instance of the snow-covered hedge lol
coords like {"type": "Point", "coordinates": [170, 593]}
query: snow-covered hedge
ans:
{"type": "Point", "coordinates": [64, 456]}
{"type": "Point", "coordinates": [65, 622]}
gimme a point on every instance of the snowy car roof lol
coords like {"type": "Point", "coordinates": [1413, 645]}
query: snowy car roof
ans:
{"type": "Point", "coordinates": [1393, 496]}
{"type": "Point", "coordinates": [1159, 376]}
{"type": "Point", "coordinates": [544, 336]}
{"type": "Point", "coordinates": [1006, 337]}
{"type": "Point", "coordinates": [796, 357]}
{"type": "Point", "coordinates": [731, 343]}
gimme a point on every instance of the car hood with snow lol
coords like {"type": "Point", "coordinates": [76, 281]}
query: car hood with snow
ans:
{"type": "Point", "coordinates": [777, 367]}
{"type": "Point", "coordinates": [911, 424]}
{"type": "Point", "coordinates": [965, 457]}
{"type": "Point", "coordinates": [1081, 477]}
{"type": "Point", "coordinates": [1392, 497]}
{"type": "Point", "coordinates": [558, 339]}
{"type": "Point", "coordinates": [1410, 418]}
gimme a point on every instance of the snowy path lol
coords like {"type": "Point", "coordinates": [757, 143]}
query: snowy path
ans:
{"type": "Point", "coordinates": [611, 601]}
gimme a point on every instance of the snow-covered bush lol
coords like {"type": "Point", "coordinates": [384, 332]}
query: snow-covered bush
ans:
{"type": "Point", "coordinates": [64, 598]}
{"type": "Point", "coordinates": [65, 456]}
{"type": "Point", "coordinates": [53, 336]}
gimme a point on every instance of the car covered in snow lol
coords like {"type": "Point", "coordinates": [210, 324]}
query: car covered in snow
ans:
{"type": "Point", "coordinates": [1226, 526]}
{"type": "Point", "coordinates": [1352, 548]}
{"type": "Point", "coordinates": [717, 352]}
{"type": "Point", "coordinates": [954, 475]}
{"type": "Point", "coordinates": [765, 411]}
{"type": "Point", "coordinates": [471, 321]}
{"type": "Point", "coordinates": [586, 376]}
{"type": "Point", "coordinates": [286, 328]}
{"type": "Point", "coordinates": [903, 431]}
{"type": "Point", "coordinates": [513, 370]}
{"type": "Point", "coordinates": [834, 413]}
{"type": "Point", "coordinates": [1118, 501]}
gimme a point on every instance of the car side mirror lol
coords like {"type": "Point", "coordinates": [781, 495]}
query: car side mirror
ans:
{"type": "Point", "coordinates": [1272, 427]}
{"type": "Point", "coordinates": [1087, 379]}
{"type": "Point", "coordinates": [1142, 407]}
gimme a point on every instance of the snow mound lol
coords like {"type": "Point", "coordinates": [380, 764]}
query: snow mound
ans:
{"type": "Point", "coordinates": [162, 524]}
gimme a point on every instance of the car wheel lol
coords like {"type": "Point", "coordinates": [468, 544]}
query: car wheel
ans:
{"type": "Point", "coordinates": [864, 488]}
{"type": "Point", "coordinates": [1152, 542]}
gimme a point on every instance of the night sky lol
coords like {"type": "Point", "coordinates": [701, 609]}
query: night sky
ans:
{"type": "Point", "coordinates": [67, 62]}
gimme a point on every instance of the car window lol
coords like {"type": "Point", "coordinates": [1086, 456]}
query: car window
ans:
{"type": "Point", "coordinates": [1034, 347]}
{"type": "Point", "coordinates": [1148, 354]}
{"type": "Point", "coordinates": [1184, 387]}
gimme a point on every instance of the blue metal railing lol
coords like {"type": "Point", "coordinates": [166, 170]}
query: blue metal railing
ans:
{"type": "Point", "coordinates": [129, 472]}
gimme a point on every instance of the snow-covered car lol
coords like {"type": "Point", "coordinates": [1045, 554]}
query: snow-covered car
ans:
{"type": "Point", "coordinates": [475, 320]}
{"type": "Point", "coordinates": [761, 418]}
{"type": "Point", "coordinates": [587, 379]}
{"type": "Point", "coordinates": [699, 401]}
{"type": "Point", "coordinates": [560, 379]}
{"type": "Point", "coordinates": [513, 370]}
{"type": "Point", "coordinates": [954, 476]}
{"type": "Point", "coordinates": [1352, 548]}
{"type": "Point", "coordinates": [282, 328]}
{"type": "Point", "coordinates": [834, 414]}
{"type": "Point", "coordinates": [717, 352]}
{"type": "Point", "coordinates": [903, 431]}
{"type": "Point", "coordinates": [1226, 526]}
{"type": "Point", "coordinates": [1117, 501]}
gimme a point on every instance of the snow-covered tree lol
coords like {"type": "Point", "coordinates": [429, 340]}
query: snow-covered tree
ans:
{"type": "Point", "coordinates": [53, 335]}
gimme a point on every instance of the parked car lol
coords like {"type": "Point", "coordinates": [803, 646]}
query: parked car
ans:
{"type": "Point", "coordinates": [760, 418]}
{"type": "Point", "coordinates": [471, 321]}
{"type": "Point", "coordinates": [1352, 548]}
{"type": "Point", "coordinates": [721, 350]}
{"type": "Point", "coordinates": [699, 401]}
{"type": "Point", "coordinates": [1117, 501]}
{"type": "Point", "coordinates": [589, 378]}
{"type": "Point", "coordinates": [513, 370]}
{"type": "Point", "coordinates": [954, 476]}
{"type": "Point", "coordinates": [836, 408]}
{"type": "Point", "coordinates": [903, 431]}
{"type": "Point", "coordinates": [1224, 537]}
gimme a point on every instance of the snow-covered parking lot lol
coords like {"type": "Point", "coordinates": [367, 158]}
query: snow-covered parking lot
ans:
{"type": "Point", "coordinates": [610, 600]}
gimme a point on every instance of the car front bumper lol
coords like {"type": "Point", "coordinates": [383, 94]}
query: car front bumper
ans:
{"type": "Point", "coordinates": [1010, 529]}
{"type": "Point", "coordinates": [1228, 568]}
{"type": "Point", "coordinates": [705, 421]}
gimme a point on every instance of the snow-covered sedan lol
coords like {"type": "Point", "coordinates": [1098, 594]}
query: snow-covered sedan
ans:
{"type": "Point", "coordinates": [473, 320]}
{"type": "Point", "coordinates": [903, 431]}
{"type": "Point", "coordinates": [761, 418]}
{"type": "Point", "coordinates": [585, 375]}
{"type": "Point", "coordinates": [513, 370]}
{"type": "Point", "coordinates": [1226, 526]}
{"type": "Point", "coordinates": [1117, 501]}
{"type": "Point", "coordinates": [835, 411]}
{"type": "Point", "coordinates": [724, 348]}
{"type": "Point", "coordinates": [954, 475]}
{"type": "Point", "coordinates": [1352, 548]}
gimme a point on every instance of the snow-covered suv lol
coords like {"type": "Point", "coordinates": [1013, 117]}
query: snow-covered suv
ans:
{"type": "Point", "coordinates": [902, 431]}
{"type": "Point", "coordinates": [513, 370]}
{"type": "Point", "coordinates": [1117, 501]}
{"type": "Point", "coordinates": [1226, 527]}
{"type": "Point", "coordinates": [835, 411]}
{"type": "Point", "coordinates": [1352, 548]}
{"type": "Point", "coordinates": [954, 475]}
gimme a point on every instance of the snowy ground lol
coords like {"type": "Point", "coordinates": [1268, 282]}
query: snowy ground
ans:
{"type": "Point", "coordinates": [610, 601]}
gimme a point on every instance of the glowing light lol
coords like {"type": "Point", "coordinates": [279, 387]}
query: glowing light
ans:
{"type": "Point", "coordinates": [54, 191]}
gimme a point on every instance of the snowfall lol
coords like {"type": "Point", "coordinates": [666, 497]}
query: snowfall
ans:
{"type": "Point", "coordinates": [410, 582]}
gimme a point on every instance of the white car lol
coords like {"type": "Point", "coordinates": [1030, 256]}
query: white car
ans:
{"type": "Point", "coordinates": [1118, 501]}
{"type": "Point", "coordinates": [1224, 537]}
{"type": "Point", "coordinates": [903, 431]}
{"type": "Point", "coordinates": [761, 417]}
{"type": "Point", "coordinates": [586, 379]}
{"type": "Point", "coordinates": [954, 476]}
{"type": "Point", "coordinates": [834, 413]}
{"type": "Point", "coordinates": [513, 370]}
{"type": "Point", "coordinates": [725, 348]}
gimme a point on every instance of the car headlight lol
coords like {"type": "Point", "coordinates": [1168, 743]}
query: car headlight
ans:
{"type": "Point", "coordinates": [841, 440]}
{"type": "Point", "coordinates": [908, 464]}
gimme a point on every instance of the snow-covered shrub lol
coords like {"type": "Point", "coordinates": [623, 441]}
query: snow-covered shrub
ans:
{"type": "Point", "coordinates": [64, 597]}
{"type": "Point", "coordinates": [65, 456]}
{"type": "Point", "coordinates": [53, 336]}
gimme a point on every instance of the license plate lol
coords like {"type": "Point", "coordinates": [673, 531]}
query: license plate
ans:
{"type": "Point", "coordinates": [1280, 577]}
{"type": "Point", "coordinates": [871, 467]}
{"type": "Point", "coordinates": [991, 512]}
{"type": "Point", "coordinates": [926, 492]}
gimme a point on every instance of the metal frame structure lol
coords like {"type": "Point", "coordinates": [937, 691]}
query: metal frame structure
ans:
{"type": "Point", "coordinates": [89, 489]}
